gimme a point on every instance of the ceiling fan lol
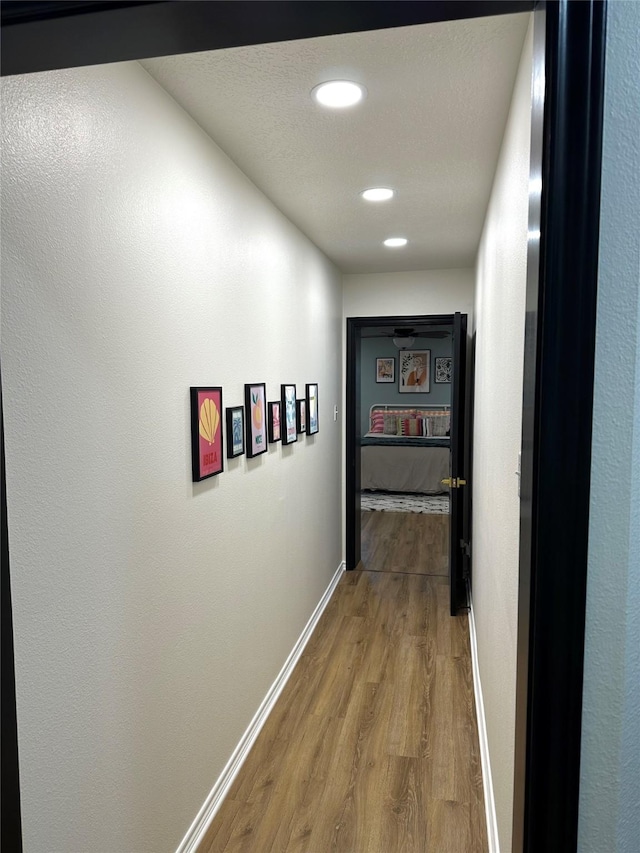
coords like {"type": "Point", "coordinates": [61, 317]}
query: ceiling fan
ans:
{"type": "Point", "coordinates": [404, 337]}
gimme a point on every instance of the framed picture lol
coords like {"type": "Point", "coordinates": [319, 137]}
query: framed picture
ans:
{"type": "Point", "coordinates": [442, 372]}
{"type": "Point", "coordinates": [312, 408]}
{"type": "Point", "coordinates": [206, 432]}
{"type": "Point", "coordinates": [301, 415]}
{"type": "Point", "coordinates": [413, 370]}
{"type": "Point", "coordinates": [288, 398]}
{"type": "Point", "coordinates": [235, 431]}
{"type": "Point", "coordinates": [385, 369]}
{"type": "Point", "coordinates": [255, 402]}
{"type": "Point", "coordinates": [275, 433]}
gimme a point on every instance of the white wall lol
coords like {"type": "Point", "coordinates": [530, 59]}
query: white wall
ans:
{"type": "Point", "coordinates": [424, 292]}
{"type": "Point", "coordinates": [610, 782]}
{"type": "Point", "coordinates": [499, 318]}
{"type": "Point", "coordinates": [150, 614]}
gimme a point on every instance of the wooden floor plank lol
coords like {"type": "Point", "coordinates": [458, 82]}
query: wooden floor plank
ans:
{"type": "Point", "coordinates": [411, 542]}
{"type": "Point", "coordinates": [219, 834]}
{"type": "Point", "coordinates": [372, 746]}
{"type": "Point", "coordinates": [449, 828]}
{"type": "Point", "coordinates": [404, 827]}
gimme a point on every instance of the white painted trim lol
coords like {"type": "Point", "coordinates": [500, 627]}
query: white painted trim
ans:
{"type": "Point", "coordinates": [196, 831]}
{"type": "Point", "coordinates": [487, 781]}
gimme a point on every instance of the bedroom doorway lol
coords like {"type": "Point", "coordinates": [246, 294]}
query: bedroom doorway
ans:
{"type": "Point", "coordinates": [408, 509]}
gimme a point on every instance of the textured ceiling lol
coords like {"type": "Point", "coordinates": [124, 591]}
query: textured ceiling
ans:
{"type": "Point", "coordinates": [431, 127]}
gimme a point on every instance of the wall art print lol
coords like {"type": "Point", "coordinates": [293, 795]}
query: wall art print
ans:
{"type": "Point", "coordinates": [206, 432]}
{"type": "Point", "coordinates": [312, 408]}
{"type": "Point", "coordinates": [413, 371]}
{"type": "Point", "coordinates": [275, 433]}
{"type": "Point", "coordinates": [301, 416]}
{"type": "Point", "coordinates": [255, 403]}
{"type": "Point", "coordinates": [235, 431]}
{"type": "Point", "coordinates": [385, 369]}
{"type": "Point", "coordinates": [442, 372]}
{"type": "Point", "coordinates": [289, 426]}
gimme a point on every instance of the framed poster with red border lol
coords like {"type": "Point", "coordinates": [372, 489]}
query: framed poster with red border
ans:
{"type": "Point", "coordinates": [206, 432]}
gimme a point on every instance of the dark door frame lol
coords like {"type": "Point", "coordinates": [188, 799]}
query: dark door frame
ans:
{"type": "Point", "coordinates": [10, 835]}
{"type": "Point", "coordinates": [557, 413]}
{"type": "Point", "coordinates": [352, 417]}
{"type": "Point", "coordinates": [560, 327]}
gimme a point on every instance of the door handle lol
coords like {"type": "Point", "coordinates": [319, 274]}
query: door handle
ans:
{"type": "Point", "coordinates": [454, 482]}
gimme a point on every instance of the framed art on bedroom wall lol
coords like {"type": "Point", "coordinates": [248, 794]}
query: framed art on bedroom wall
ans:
{"type": "Point", "coordinates": [413, 372]}
{"type": "Point", "coordinates": [206, 432]}
{"type": "Point", "coordinates": [385, 369]}
{"type": "Point", "coordinates": [256, 409]}
{"type": "Point", "coordinates": [288, 413]}
{"type": "Point", "coordinates": [442, 372]}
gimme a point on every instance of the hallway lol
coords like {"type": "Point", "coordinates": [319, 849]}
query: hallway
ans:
{"type": "Point", "coordinates": [372, 746]}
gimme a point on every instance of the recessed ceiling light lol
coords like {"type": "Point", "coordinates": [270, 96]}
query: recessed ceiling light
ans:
{"type": "Point", "coordinates": [395, 242]}
{"type": "Point", "coordinates": [377, 194]}
{"type": "Point", "coordinates": [338, 93]}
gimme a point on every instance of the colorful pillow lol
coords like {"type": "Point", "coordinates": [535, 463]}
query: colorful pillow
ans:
{"type": "Point", "coordinates": [411, 426]}
{"type": "Point", "coordinates": [377, 422]}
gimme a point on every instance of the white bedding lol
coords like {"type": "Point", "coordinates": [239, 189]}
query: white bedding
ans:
{"type": "Point", "coordinates": [404, 469]}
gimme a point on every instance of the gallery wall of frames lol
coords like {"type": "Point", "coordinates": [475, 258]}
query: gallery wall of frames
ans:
{"type": "Point", "coordinates": [250, 428]}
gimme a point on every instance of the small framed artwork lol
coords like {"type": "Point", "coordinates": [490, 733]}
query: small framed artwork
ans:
{"type": "Point", "coordinates": [255, 401]}
{"type": "Point", "coordinates": [289, 428]}
{"type": "Point", "coordinates": [275, 433]}
{"type": "Point", "coordinates": [385, 369]}
{"type": "Point", "coordinates": [206, 432]}
{"type": "Point", "coordinates": [312, 408]}
{"type": "Point", "coordinates": [235, 431]}
{"type": "Point", "coordinates": [413, 371]}
{"type": "Point", "coordinates": [442, 372]}
{"type": "Point", "coordinates": [301, 416]}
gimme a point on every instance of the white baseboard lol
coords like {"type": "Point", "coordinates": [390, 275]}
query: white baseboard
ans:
{"type": "Point", "coordinates": [487, 782]}
{"type": "Point", "coordinates": [196, 831]}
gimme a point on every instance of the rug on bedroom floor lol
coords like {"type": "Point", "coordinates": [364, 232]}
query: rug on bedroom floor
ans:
{"type": "Point", "coordinates": [402, 502]}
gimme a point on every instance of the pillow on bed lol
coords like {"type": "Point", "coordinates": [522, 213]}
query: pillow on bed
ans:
{"type": "Point", "coordinates": [410, 426]}
{"type": "Point", "coordinates": [390, 425]}
{"type": "Point", "coordinates": [377, 422]}
{"type": "Point", "coordinates": [438, 424]}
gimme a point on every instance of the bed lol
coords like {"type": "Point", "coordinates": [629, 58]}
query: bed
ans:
{"type": "Point", "coordinates": [406, 449]}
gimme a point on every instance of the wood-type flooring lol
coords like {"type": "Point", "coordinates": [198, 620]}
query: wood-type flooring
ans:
{"type": "Point", "coordinates": [372, 746]}
{"type": "Point", "coordinates": [405, 542]}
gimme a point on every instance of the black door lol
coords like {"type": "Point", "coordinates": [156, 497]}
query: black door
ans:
{"type": "Point", "coordinates": [353, 441]}
{"type": "Point", "coordinates": [458, 475]}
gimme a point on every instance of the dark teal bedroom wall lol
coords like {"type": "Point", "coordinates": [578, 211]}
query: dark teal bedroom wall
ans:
{"type": "Point", "coordinates": [387, 393]}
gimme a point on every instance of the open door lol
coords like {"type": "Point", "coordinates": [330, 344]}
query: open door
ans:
{"type": "Point", "coordinates": [459, 491]}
